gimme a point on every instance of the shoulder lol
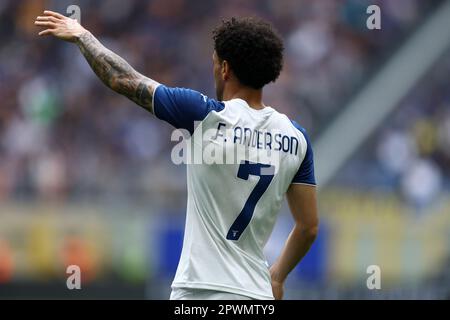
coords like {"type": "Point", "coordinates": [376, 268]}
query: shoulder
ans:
{"type": "Point", "coordinates": [182, 107]}
{"type": "Point", "coordinates": [305, 174]}
{"type": "Point", "coordinates": [301, 129]}
{"type": "Point", "coordinates": [187, 97]}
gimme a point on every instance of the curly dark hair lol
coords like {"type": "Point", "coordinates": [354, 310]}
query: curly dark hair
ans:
{"type": "Point", "coordinates": [253, 49]}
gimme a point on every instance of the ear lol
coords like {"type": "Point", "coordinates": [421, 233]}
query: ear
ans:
{"type": "Point", "coordinates": [226, 71]}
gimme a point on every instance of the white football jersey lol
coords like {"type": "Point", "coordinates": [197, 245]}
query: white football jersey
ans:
{"type": "Point", "coordinates": [240, 163]}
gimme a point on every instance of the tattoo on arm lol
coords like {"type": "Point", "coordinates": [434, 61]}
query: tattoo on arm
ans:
{"type": "Point", "coordinates": [116, 73]}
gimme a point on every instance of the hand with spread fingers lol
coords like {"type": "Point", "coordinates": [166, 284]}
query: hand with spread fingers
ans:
{"type": "Point", "coordinates": [60, 26]}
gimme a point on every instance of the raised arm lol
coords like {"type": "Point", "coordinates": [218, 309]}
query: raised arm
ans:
{"type": "Point", "coordinates": [114, 71]}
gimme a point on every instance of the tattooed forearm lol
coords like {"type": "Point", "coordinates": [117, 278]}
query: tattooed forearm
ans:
{"type": "Point", "coordinates": [116, 73]}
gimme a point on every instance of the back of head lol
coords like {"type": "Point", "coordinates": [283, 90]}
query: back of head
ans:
{"type": "Point", "coordinates": [253, 49]}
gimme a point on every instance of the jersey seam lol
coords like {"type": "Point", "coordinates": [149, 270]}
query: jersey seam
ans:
{"type": "Point", "coordinates": [209, 113]}
{"type": "Point", "coordinates": [306, 141]}
{"type": "Point", "coordinates": [153, 100]}
{"type": "Point", "coordinates": [307, 184]}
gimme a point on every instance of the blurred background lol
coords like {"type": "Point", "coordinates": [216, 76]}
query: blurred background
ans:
{"type": "Point", "coordinates": [86, 176]}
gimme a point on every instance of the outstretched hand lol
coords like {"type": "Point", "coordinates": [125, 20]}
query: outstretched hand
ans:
{"type": "Point", "coordinates": [60, 26]}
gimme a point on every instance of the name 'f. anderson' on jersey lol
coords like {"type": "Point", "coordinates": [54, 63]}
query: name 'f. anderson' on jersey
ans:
{"type": "Point", "coordinates": [232, 209]}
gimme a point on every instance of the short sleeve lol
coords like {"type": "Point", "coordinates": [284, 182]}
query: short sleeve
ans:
{"type": "Point", "coordinates": [305, 174]}
{"type": "Point", "coordinates": [183, 107]}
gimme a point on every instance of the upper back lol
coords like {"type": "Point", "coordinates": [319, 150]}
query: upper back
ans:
{"type": "Point", "coordinates": [250, 157]}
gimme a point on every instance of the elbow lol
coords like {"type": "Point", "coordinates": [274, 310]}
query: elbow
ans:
{"type": "Point", "coordinates": [115, 83]}
{"type": "Point", "coordinates": [310, 232]}
{"type": "Point", "coordinates": [122, 83]}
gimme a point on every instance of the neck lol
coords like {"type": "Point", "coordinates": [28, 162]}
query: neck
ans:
{"type": "Point", "coordinates": [252, 96]}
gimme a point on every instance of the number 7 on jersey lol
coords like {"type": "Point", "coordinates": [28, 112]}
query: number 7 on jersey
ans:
{"type": "Point", "coordinates": [247, 169]}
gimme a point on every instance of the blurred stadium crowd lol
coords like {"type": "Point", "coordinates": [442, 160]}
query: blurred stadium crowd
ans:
{"type": "Point", "coordinates": [410, 153]}
{"type": "Point", "coordinates": [63, 135]}
{"type": "Point", "coordinates": [68, 144]}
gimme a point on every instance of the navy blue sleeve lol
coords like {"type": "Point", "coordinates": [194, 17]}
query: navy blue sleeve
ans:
{"type": "Point", "coordinates": [305, 173]}
{"type": "Point", "coordinates": [182, 107]}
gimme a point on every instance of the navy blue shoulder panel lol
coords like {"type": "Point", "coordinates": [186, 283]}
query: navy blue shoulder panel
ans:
{"type": "Point", "coordinates": [183, 107]}
{"type": "Point", "coordinates": [305, 173]}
